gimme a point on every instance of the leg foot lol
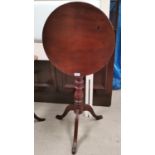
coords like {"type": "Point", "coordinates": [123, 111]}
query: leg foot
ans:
{"type": "Point", "coordinates": [74, 147]}
{"type": "Point", "coordinates": [68, 108]}
{"type": "Point", "coordinates": [38, 118]}
{"type": "Point", "coordinates": [87, 107]}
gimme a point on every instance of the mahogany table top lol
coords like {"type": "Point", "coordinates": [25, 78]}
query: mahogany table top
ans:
{"type": "Point", "coordinates": [78, 38]}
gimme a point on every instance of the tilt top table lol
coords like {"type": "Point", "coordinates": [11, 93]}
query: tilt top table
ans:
{"type": "Point", "coordinates": [79, 40]}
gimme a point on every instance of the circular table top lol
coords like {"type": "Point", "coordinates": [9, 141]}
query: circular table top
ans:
{"type": "Point", "coordinates": [78, 38]}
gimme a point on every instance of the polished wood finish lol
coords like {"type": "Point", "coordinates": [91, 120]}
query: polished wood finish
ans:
{"type": "Point", "coordinates": [79, 40]}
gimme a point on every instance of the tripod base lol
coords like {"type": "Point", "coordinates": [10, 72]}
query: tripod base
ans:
{"type": "Point", "coordinates": [78, 107]}
{"type": "Point", "coordinates": [74, 108]}
{"type": "Point", "coordinates": [78, 110]}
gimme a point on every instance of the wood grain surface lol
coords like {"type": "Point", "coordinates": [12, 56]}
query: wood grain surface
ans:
{"type": "Point", "coordinates": [78, 38]}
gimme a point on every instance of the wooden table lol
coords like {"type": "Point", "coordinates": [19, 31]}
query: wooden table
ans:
{"type": "Point", "coordinates": [79, 40]}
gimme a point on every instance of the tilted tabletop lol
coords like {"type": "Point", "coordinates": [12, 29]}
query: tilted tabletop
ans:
{"type": "Point", "coordinates": [78, 38]}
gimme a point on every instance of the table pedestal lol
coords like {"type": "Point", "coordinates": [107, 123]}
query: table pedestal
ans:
{"type": "Point", "coordinates": [78, 107]}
